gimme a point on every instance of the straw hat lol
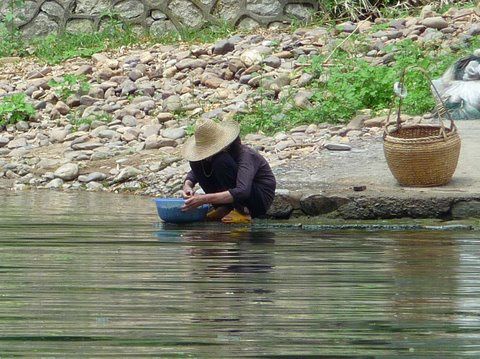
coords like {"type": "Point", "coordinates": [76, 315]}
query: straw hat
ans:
{"type": "Point", "coordinates": [210, 138]}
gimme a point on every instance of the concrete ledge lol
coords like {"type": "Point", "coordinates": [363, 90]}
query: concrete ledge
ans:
{"type": "Point", "coordinates": [375, 206]}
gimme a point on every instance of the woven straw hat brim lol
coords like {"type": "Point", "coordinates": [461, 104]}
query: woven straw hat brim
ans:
{"type": "Point", "coordinates": [228, 132]}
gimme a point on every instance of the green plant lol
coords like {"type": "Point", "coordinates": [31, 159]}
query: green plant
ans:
{"type": "Point", "coordinates": [11, 42]}
{"type": "Point", "coordinates": [358, 9]}
{"type": "Point", "coordinates": [209, 32]}
{"type": "Point", "coordinates": [14, 108]}
{"type": "Point", "coordinates": [70, 85]}
{"type": "Point", "coordinates": [77, 121]}
{"type": "Point", "coordinates": [350, 84]}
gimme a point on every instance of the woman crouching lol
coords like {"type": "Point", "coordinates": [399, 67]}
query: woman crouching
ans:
{"type": "Point", "coordinates": [236, 179]}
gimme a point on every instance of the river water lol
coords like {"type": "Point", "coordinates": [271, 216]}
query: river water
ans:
{"type": "Point", "coordinates": [85, 274]}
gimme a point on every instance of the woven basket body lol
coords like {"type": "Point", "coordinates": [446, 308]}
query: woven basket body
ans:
{"type": "Point", "coordinates": [419, 156]}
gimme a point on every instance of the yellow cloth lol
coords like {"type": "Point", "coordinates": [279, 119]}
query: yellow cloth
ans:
{"type": "Point", "coordinates": [235, 217]}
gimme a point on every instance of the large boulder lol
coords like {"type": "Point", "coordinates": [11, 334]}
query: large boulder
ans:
{"type": "Point", "coordinates": [67, 172]}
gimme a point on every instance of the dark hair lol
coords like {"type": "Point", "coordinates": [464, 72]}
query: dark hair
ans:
{"type": "Point", "coordinates": [235, 148]}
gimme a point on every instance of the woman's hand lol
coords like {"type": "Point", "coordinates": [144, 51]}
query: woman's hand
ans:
{"type": "Point", "coordinates": [187, 191]}
{"type": "Point", "coordinates": [194, 202]}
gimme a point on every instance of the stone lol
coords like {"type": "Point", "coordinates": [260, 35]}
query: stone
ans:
{"type": "Point", "coordinates": [110, 134]}
{"type": "Point", "coordinates": [161, 27]}
{"type": "Point", "coordinates": [41, 25]}
{"type": "Point", "coordinates": [128, 87]}
{"type": "Point", "coordinates": [80, 26]}
{"type": "Point", "coordinates": [54, 183]}
{"type": "Point", "coordinates": [223, 47]}
{"type": "Point", "coordinates": [315, 205]}
{"type": "Point", "coordinates": [190, 64]}
{"type": "Point", "coordinates": [427, 11]}
{"type": "Point", "coordinates": [129, 136]}
{"type": "Point", "coordinates": [85, 146]}
{"type": "Point", "coordinates": [62, 108]}
{"type": "Point", "coordinates": [303, 12]}
{"type": "Point", "coordinates": [357, 122]}
{"type": "Point", "coordinates": [173, 133]}
{"type": "Point", "coordinates": [126, 174]}
{"type": "Point", "coordinates": [375, 122]}
{"type": "Point", "coordinates": [84, 70]}
{"type": "Point", "coordinates": [304, 80]}
{"type": "Point", "coordinates": [158, 15]}
{"type": "Point", "coordinates": [251, 57]}
{"type": "Point", "coordinates": [129, 9]}
{"type": "Point", "coordinates": [38, 74]}
{"type": "Point", "coordinates": [272, 61]}
{"type": "Point", "coordinates": [91, 177]}
{"type": "Point", "coordinates": [281, 207]}
{"type": "Point", "coordinates": [53, 9]}
{"type": "Point", "coordinates": [347, 27]}
{"type": "Point", "coordinates": [436, 22]}
{"type": "Point", "coordinates": [48, 164]}
{"type": "Point", "coordinates": [337, 147]}
{"type": "Point", "coordinates": [165, 116]}
{"type": "Point", "coordinates": [151, 130]}
{"type": "Point", "coordinates": [474, 29]}
{"type": "Point", "coordinates": [4, 141]}
{"type": "Point", "coordinates": [58, 135]}
{"type": "Point", "coordinates": [22, 126]}
{"type": "Point", "coordinates": [264, 7]}
{"type": "Point", "coordinates": [466, 209]}
{"type": "Point", "coordinates": [17, 143]}
{"type": "Point", "coordinates": [154, 142]}
{"type": "Point", "coordinates": [302, 99]}
{"type": "Point", "coordinates": [67, 172]}
{"type": "Point", "coordinates": [187, 13]}
{"type": "Point", "coordinates": [173, 103]}
{"type": "Point", "coordinates": [129, 121]}
{"type": "Point", "coordinates": [94, 186]}
{"type": "Point", "coordinates": [249, 24]}
{"type": "Point", "coordinates": [211, 80]}
{"type": "Point", "coordinates": [99, 58]}
{"type": "Point", "coordinates": [134, 75]}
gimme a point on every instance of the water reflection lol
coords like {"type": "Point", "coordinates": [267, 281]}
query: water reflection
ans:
{"type": "Point", "coordinates": [425, 275]}
{"type": "Point", "coordinates": [93, 275]}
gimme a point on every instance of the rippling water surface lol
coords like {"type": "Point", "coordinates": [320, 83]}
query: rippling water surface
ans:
{"type": "Point", "coordinates": [95, 275]}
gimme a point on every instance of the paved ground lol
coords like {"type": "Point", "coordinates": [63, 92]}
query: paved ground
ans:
{"type": "Point", "coordinates": [365, 165]}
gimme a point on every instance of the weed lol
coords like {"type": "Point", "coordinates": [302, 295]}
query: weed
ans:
{"type": "Point", "coordinates": [77, 121]}
{"type": "Point", "coordinates": [209, 33]}
{"type": "Point", "coordinates": [14, 108]}
{"type": "Point", "coordinates": [70, 85]}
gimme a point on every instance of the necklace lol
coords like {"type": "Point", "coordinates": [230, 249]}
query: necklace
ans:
{"type": "Point", "coordinates": [208, 175]}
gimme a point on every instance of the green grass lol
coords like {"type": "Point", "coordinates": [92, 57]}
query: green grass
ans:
{"type": "Point", "coordinates": [55, 49]}
{"type": "Point", "coordinates": [354, 84]}
{"type": "Point", "coordinates": [209, 33]}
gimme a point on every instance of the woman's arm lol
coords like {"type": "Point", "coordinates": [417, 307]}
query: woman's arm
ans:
{"type": "Point", "coordinates": [211, 198]}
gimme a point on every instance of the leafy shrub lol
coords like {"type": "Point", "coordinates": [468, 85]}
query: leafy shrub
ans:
{"type": "Point", "coordinates": [14, 108]}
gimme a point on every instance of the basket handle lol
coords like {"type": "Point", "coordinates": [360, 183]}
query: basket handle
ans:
{"type": "Point", "coordinates": [441, 108]}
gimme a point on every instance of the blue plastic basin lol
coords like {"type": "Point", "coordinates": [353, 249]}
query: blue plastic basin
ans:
{"type": "Point", "coordinates": [169, 210]}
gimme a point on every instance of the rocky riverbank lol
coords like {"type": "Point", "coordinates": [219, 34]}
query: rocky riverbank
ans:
{"type": "Point", "coordinates": [115, 122]}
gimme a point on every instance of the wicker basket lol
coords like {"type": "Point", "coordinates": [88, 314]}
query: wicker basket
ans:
{"type": "Point", "coordinates": [422, 155]}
